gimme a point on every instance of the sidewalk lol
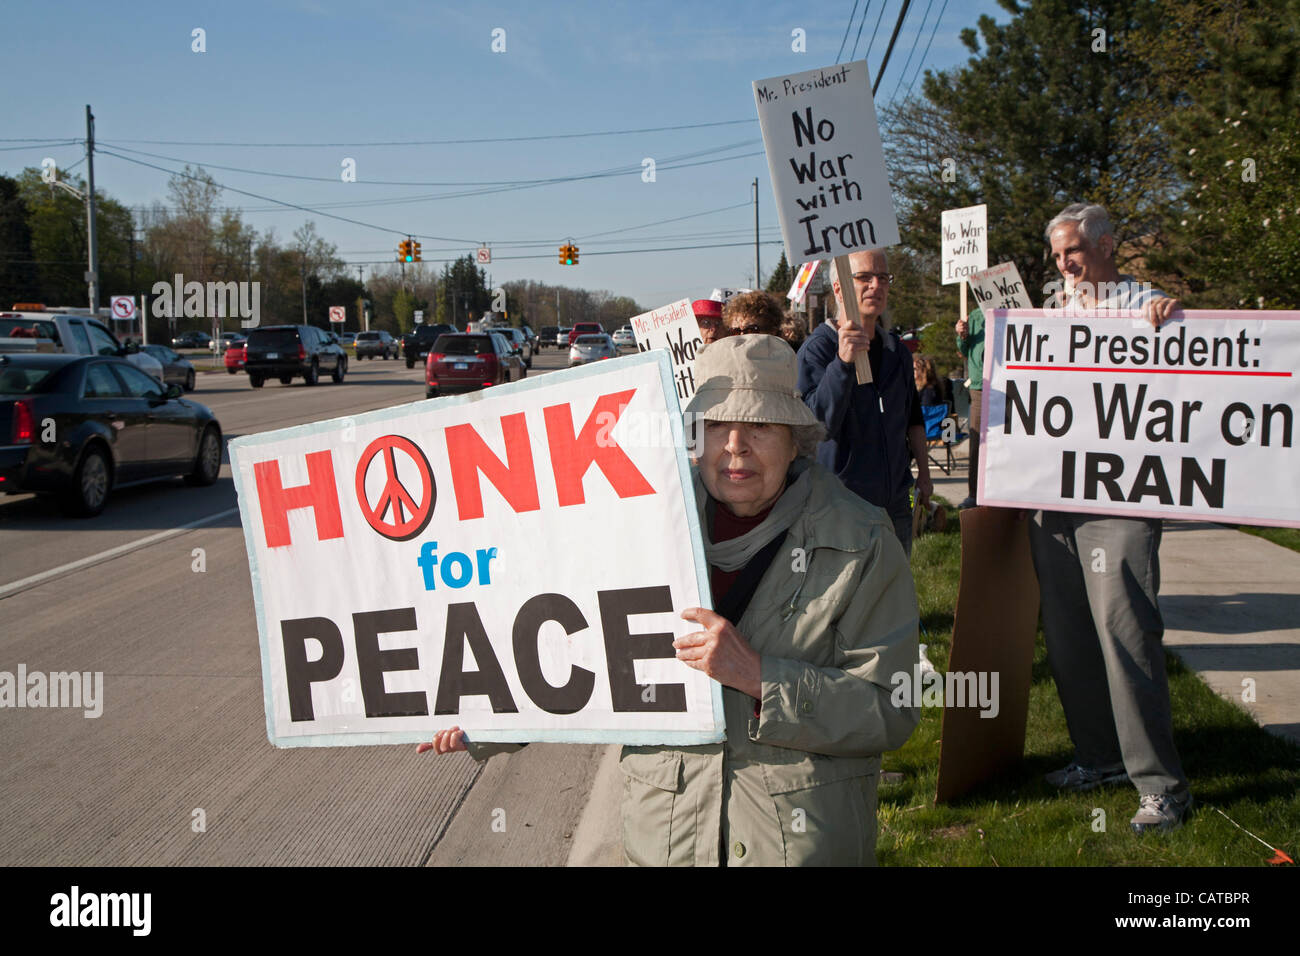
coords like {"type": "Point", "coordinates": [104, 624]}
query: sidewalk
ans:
{"type": "Point", "coordinates": [1231, 604]}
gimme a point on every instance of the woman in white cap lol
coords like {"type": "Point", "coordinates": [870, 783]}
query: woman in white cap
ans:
{"type": "Point", "coordinates": [815, 611]}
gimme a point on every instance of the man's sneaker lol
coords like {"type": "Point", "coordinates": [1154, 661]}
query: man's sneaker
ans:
{"type": "Point", "coordinates": [1160, 811]}
{"type": "Point", "coordinates": [967, 502]}
{"type": "Point", "coordinates": [1077, 777]}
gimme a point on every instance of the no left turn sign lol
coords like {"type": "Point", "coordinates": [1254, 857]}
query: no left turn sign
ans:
{"type": "Point", "coordinates": [123, 306]}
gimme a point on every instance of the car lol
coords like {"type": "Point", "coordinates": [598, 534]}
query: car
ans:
{"type": "Point", "coordinates": [177, 369]}
{"type": "Point", "coordinates": [584, 328]}
{"type": "Point", "coordinates": [548, 336]}
{"type": "Point", "coordinates": [347, 339]}
{"type": "Point", "coordinates": [465, 361]}
{"type": "Point", "coordinates": [192, 340]}
{"type": "Point", "coordinates": [287, 352]}
{"type": "Point", "coordinates": [376, 345]}
{"type": "Point", "coordinates": [235, 357]}
{"type": "Point", "coordinates": [417, 343]}
{"type": "Point", "coordinates": [591, 348]}
{"type": "Point", "coordinates": [115, 425]}
{"type": "Point", "coordinates": [227, 340]}
{"type": "Point", "coordinates": [625, 336]}
{"type": "Point", "coordinates": [70, 332]}
{"type": "Point", "coordinates": [562, 337]}
{"type": "Point", "coordinates": [520, 342]}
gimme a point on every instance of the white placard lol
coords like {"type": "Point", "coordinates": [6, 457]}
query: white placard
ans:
{"type": "Point", "coordinates": [418, 316]}
{"type": "Point", "coordinates": [1000, 288]}
{"type": "Point", "coordinates": [1097, 412]}
{"type": "Point", "coordinates": [800, 286]}
{"type": "Point", "coordinates": [483, 255]}
{"type": "Point", "coordinates": [965, 243]}
{"type": "Point", "coordinates": [827, 167]}
{"type": "Point", "coordinates": [674, 329]}
{"type": "Point", "coordinates": [337, 313]}
{"type": "Point", "coordinates": [726, 294]}
{"type": "Point", "coordinates": [514, 562]}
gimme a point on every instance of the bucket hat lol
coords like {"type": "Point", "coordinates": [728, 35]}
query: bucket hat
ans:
{"type": "Point", "coordinates": [749, 378]}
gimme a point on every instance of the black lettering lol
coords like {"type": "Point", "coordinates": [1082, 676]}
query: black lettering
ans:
{"type": "Point", "coordinates": [464, 624]}
{"type": "Point", "coordinates": [300, 673]}
{"type": "Point", "coordinates": [1267, 413]}
{"type": "Point", "coordinates": [1118, 399]}
{"type": "Point", "coordinates": [1080, 336]}
{"type": "Point", "coordinates": [1225, 423]}
{"type": "Point", "coordinates": [1211, 489]}
{"type": "Point", "coordinates": [1028, 416]}
{"type": "Point", "coordinates": [573, 696]}
{"type": "Point", "coordinates": [1067, 474]}
{"type": "Point", "coordinates": [373, 663]}
{"type": "Point", "coordinates": [623, 649]}
{"type": "Point", "coordinates": [1151, 480]}
{"type": "Point", "coordinates": [1057, 401]}
{"type": "Point", "coordinates": [1019, 349]}
{"type": "Point", "coordinates": [1093, 475]}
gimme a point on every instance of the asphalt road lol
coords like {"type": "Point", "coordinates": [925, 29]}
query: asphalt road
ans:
{"type": "Point", "coordinates": [177, 769]}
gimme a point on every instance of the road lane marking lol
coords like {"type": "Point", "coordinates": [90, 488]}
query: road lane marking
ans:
{"type": "Point", "coordinates": [27, 583]}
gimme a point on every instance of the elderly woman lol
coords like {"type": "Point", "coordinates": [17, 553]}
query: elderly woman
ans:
{"type": "Point", "coordinates": [815, 612]}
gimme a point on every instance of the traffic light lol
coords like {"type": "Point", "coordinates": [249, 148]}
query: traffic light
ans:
{"type": "Point", "coordinates": [415, 251]}
{"type": "Point", "coordinates": [404, 250]}
{"type": "Point", "coordinates": [568, 254]}
{"type": "Point", "coordinates": [573, 255]}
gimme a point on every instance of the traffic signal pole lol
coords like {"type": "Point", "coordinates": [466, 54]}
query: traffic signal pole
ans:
{"type": "Point", "coordinates": [92, 247]}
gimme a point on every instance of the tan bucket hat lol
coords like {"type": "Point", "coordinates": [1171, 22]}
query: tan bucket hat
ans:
{"type": "Point", "coordinates": [749, 378]}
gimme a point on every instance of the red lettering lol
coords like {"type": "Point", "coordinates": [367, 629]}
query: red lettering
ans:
{"type": "Point", "coordinates": [572, 456]}
{"type": "Point", "coordinates": [468, 455]}
{"type": "Point", "coordinates": [319, 494]}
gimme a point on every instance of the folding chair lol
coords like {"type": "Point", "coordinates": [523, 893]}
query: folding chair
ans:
{"type": "Point", "coordinates": [934, 417]}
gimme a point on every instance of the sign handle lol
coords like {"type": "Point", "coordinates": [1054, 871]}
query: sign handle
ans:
{"type": "Point", "coordinates": [861, 364]}
{"type": "Point", "coordinates": [962, 313]}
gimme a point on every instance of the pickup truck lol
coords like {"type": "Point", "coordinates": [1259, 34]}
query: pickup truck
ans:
{"type": "Point", "coordinates": [417, 343]}
{"type": "Point", "coordinates": [70, 333]}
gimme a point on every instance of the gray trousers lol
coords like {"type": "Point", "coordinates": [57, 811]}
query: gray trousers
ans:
{"type": "Point", "coordinates": [901, 517]}
{"type": "Point", "coordinates": [1099, 577]}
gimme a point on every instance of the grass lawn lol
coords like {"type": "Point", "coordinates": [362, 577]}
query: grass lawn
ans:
{"type": "Point", "coordinates": [1018, 820]}
{"type": "Point", "coordinates": [1286, 537]}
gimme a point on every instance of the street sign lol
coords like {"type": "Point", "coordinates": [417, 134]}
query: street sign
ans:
{"type": "Point", "coordinates": [123, 307]}
{"type": "Point", "coordinates": [419, 316]}
{"type": "Point", "coordinates": [337, 314]}
{"type": "Point", "coordinates": [484, 255]}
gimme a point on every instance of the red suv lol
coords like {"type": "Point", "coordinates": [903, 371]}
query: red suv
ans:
{"type": "Point", "coordinates": [584, 328]}
{"type": "Point", "coordinates": [463, 361]}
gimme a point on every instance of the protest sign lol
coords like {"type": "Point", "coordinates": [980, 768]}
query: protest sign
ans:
{"type": "Point", "coordinates": [1000, 288]}
{"type": "Point", "coordinates": [726, 295]}
{"type": "Point", "coordinates": [965, 247]}
{"type": "Point", "coordinates": [1097, 412]}
{"type": "Point", "coordinates": [513, 561]}
{"type": "Point", "coordinates": [674, 329]}
{"type": "Point", "coordinates": [801, 280]}
{"type": "Point", "coordinates": [828, 170]}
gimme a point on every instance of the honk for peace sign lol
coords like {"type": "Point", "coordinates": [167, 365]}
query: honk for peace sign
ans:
{"type": "Point", "coordinates": [514, 561]}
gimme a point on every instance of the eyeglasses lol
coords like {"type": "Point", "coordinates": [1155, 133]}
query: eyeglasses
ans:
{"type": "Point", "coordinates": [748, 329]}
{"type": "Point", "coordinates": [866, 278]}
{"type": "Point", "coordinates": [707, 322]}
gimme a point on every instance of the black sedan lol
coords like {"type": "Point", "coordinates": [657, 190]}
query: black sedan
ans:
{"type": "Point", "coordinates": [177, 369]}
{"type": "Point", "coordinates": [191, 340]}
{"type": "Point", "coordinates": [78, 426]}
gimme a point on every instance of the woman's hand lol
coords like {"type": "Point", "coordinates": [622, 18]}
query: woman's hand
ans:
{"type": "Point", "coordinates": [444, 742]}
{"type": "Point", "coordinates": [721, 651]}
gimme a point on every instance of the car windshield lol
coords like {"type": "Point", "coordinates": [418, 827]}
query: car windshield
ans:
{"type": "Point", "coordinates": [19, 380]}
{"type": "Point", "coordinates": [464, 345]}
{"type": "Point", "coordinates": [264, 338]}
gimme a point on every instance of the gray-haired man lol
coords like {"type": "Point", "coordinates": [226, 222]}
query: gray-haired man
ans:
{"type": "Point", "coordinates": [1099, 577]}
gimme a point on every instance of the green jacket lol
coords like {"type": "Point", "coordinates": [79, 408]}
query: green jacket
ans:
{"type": "Point", "coordinates": [972, 347]}
{"type": "Point", "coordinates": [834, 617]}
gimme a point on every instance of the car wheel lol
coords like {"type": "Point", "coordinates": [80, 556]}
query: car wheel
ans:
{"type": "Point", "coordinates": [430, 393]}
{"type": "Point", "coordinates": [90, 485]}
{"type": "Point", "coordinates": [410, 363]}
{"type": "Point", "coordinates": [340, 369]}
{"type": "Point", "coordinates": [312, 376]}
{"type": "Point", "coordinates": [207, 464]}
{"type": "Point", "coordinates": [255, 380]}
{"type": "Point", "coordinates": [189, 381]}
{"type": "Point", "coordinates": [231, 371]}
{"type": "Point", "coordinates": [286, 379]}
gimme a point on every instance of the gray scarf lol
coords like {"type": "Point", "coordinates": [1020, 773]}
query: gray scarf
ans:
{"type": "Point", "coordinates": [734, 554]}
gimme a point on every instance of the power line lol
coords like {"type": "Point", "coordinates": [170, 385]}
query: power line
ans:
{"type": "Point", "coordinates": [920, 66]}
{"type": "Point", "coordinates": [848, 26]}
{"type": "Point", "coordinates": [861, 23]}
{"type": "Point", "coordinates": [883, 8]}
{"type": "Point", "coordinates": [890, 49]}
{"type": "Point", "coordinates": [613, 171]}
{"type": "Point", "coordinates": [912, 52]}
{"type": "Point", "coordinates": [439, 142]}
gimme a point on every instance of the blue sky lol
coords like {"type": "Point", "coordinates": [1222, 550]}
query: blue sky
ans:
{"type": "Point", "coordinates": [362, 74]}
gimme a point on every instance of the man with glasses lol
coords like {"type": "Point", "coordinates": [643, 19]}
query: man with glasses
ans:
{"type": "Point", "coordinates": [873, 431]}
{"type": "Point", "coordinates": [708, 316]}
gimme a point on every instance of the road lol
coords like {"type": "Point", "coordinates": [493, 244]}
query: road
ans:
{"type": "Point", "coordinates": [155, 594]}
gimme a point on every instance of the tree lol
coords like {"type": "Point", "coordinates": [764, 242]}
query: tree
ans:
{"type": "Point", "coordinates": [1059, 105]}
{"type": "Point", "coordinates": [18, 276]}
{"type": "Point", "coordinates": [781, 279]}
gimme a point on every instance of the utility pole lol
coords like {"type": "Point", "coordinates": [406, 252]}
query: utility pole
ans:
{"type": "Point", "coordinates": [557, 306]}
{"type": "Point", "coordinates": [92, 271]}
{"type": "Point", "coordinates": [757, 275]}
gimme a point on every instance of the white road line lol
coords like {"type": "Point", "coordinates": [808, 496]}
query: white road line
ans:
{"type": "Point", "coordinates": [26, 583]}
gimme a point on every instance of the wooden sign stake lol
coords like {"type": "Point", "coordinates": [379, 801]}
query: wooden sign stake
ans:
{"type": "Point", "coordinates": [849, 298]}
